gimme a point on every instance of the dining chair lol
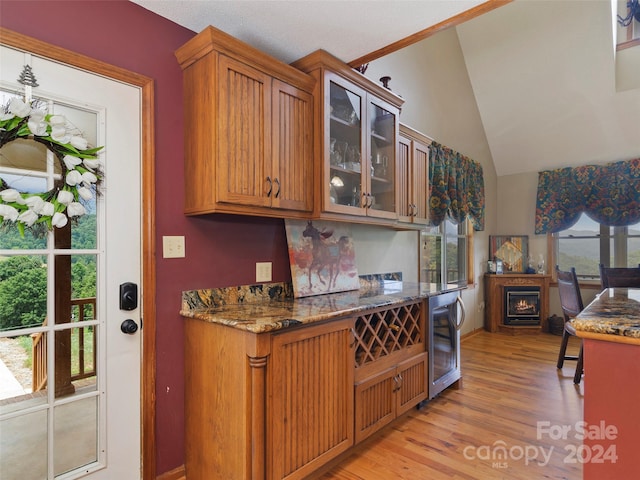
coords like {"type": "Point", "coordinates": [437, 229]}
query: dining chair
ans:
{"type": "Point", "coordinates": [571, 303]}
{"type": "Point", "coordinates": [619, 277]}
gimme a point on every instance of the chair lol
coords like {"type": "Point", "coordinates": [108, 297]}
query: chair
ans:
{"type": "Point", "coordinates": [571, 303]}
{"type": "Point", "coordinates": [619, 277]}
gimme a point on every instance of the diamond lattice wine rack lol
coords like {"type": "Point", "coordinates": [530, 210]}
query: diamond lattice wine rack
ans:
{"type": "Point", "coordinates": [380, 333]}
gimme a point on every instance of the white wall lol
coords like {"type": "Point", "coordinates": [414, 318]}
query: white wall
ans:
{"type": "Point", "coordinates": [380, 250]}
{"type": "Point", "coordinates": [432, 78]}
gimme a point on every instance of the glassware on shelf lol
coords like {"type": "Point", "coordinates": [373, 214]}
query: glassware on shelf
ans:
{"type": "Point", "coordinates": [340, 152]}
{"type": "Point", "coordinates": [332, 151]}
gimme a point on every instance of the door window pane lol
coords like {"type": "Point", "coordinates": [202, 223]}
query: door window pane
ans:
{"type": "Point", "coordinates": [23, 291]}
{"type": "Point", "coordinates": [75, 434]}
{"type": "Point", "coordinates": [23, 447]}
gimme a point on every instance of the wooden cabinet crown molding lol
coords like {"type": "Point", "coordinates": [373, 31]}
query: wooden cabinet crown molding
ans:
{"type": "Point", "coordinates": [211, 39]}
{"type": "Point", "coordinates": [321, 59]}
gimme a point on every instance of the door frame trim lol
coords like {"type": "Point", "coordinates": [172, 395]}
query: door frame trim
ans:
{"type": "Point", "coordinates": [146, 85]}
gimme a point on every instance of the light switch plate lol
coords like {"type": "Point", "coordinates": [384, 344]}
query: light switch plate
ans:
{"type": "Point", "coordinates": [173, 247]}
{"type": "Point", "coordinates": [263, 271]}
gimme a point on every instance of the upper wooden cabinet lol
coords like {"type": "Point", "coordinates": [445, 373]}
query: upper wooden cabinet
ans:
{"type": "Point", "coordinates": [413, 176]}
{"type": "Point", "coordinates": [248, 130]}
{"type": "Point", "coordinates": [356, 144]}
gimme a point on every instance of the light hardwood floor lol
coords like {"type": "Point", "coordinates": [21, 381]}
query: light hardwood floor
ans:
{"type": "Point", "coordinates": [510, 384]}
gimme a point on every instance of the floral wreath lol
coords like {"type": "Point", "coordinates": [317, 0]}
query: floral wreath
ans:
{"type": "Point", "coordinates": [81, 169]}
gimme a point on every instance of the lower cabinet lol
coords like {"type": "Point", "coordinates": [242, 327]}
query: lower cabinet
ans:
{"type": "Point", "coordinates": [391, 365]}
{"type": "Point", "coordinates": [310, 401]}
{"type": "Point", "coordinates": [281, 405]}
{"type": "Point", "coordinates": [382, 398]}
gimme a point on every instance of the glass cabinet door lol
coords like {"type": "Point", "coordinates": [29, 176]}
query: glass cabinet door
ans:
{"type": "Point", "coordinates": [345, 146]}
{"type": "Point", "coordinates": [381, 194]}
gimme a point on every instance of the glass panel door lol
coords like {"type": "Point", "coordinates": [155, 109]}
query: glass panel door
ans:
{"type": "Point", "coordinates": [383, 159]}
{"type": "Point", "coordinates": [345, 144]}
{"type": "Point", "coordinates": [49, 340]}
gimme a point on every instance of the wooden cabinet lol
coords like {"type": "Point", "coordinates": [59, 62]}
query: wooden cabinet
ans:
{"type": "Point", "coordinates": [266, 406]}
{"type": "Point", "coordinates": [310, 398]}
{"type": "Point", "coordinates": [413, 176]}
{"type": "Point", "coordinates": [281, 405]}
{"type": "Point", "coordinates": [391, 365]}
{"type": "Point", "coordinates": [248, 130]}
{"type": "Point", "coordinates": [356, 146]}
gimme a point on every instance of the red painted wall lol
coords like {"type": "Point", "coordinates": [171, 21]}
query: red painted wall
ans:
{"type": "Point", "coordinates": [221, 250]}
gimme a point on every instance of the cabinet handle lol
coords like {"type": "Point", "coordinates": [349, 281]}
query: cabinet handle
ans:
{"type": "Point", "coordinates": [393, 327]}
{"type": "Point", "coordinates": [396, 381]}
{"type": "Point", "coordinates": [400, 380]}
{"type": "Point", "coordinates": [270, 186]}
{"type": "Point", "coordinates": [369, 200]}
{"type": "Point", "coordinates": [463, 312]}
{"type": "Point", "coordinates": [277, 182]}
{"type": "Point", "coordinates": [414, 209]}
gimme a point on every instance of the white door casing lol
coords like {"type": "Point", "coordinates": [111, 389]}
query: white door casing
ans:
{"type": "Point", "coordinates": [117, 108]}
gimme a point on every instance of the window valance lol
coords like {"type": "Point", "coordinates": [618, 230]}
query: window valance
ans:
{"type": "Point", "coordinates": [609, 194]}
{"type": "Point", "coordinates": [456, 187]}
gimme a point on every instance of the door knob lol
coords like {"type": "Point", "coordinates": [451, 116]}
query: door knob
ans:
{"type": "Point", "coordinates": [129, 327]}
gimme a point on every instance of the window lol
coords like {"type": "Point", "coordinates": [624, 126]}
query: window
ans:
{"type": "Point", "coordinates": [455, 256]}
{"type": "Point", "coordinates": [628, 25]}
{"type": "Point", "coordinates": [587, 244]}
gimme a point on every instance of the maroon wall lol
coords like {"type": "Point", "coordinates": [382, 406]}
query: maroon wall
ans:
{"type": "Point", "coordinates": [221, 250]}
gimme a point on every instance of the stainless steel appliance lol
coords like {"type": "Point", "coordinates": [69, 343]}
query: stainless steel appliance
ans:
{"type": "Point", "coordinates": [446, 316]}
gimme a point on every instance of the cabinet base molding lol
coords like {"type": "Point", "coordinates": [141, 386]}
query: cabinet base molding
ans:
{"type": "Point", "coordinates": [175, 474]}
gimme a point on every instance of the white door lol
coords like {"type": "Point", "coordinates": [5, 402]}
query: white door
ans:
{"type": "Point", "coordinates": [69, 377]}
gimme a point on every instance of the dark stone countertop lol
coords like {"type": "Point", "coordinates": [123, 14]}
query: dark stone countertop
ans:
{"type": "Point", "coordinates": [614, 315]}
{"type": "Point", "coordinates": [268, 307]}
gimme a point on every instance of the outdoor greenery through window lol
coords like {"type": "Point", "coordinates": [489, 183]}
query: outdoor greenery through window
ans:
{"type": "Point", "coordinates": [453, 256]}
{"type": "Point", "coordinates": [587, 244]}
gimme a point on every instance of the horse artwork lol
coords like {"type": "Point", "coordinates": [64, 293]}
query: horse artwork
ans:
{"type": "Point", "coordinates": [322, 257]}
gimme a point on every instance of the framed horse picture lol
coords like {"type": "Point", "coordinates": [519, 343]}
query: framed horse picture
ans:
{"type": "Point", "coordinates": [322, 257]}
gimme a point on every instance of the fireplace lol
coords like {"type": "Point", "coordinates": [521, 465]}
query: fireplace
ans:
{"type": "Point", "coordinates": [521, 305]}
{"type": "Point", "coordinates": [531, 287]}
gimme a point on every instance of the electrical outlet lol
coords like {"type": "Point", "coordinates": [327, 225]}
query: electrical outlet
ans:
{"type": "Point", "coordinates": [263, 271]}
{"type": "Point", "coordinates": [173, 247]}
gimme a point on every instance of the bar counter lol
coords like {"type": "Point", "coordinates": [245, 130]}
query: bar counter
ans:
{"type": "Point", "coordinates": [613, 316]}
{"type": "Point", "coordinates": [267, 307]}
{"type": "Point", "coordinates": [610, 330]}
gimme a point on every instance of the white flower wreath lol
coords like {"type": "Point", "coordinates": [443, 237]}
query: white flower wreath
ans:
{"type": "Point", "coordinates": [81, 169]}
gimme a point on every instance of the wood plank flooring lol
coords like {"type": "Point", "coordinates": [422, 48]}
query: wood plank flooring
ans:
{"type": "Point", "coordinates": [510, 383]}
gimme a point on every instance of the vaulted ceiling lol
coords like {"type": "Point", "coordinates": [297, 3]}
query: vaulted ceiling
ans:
{"type": "Point", "coordinates": [542, 72]}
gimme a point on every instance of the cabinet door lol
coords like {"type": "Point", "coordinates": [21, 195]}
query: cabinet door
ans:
{"type": "Point", "coordinates": [413, 384]}
{"type": "Point", "coordinates": [244, 137]}
{"type": "Point", "coordinates": [420, 182]}
{"type": "Point", "coordinates": [310, 399]}
{"type": "Point", "coordinates": [379, 163]}
{"type": "Point", "coordinates": [344, 146]}
{"type": "Point", "coordinates": [404, 180]}
{"type": "Point", "coordinates": [375, 403]}
{"type": "Point", "coordinates": [292, 169]}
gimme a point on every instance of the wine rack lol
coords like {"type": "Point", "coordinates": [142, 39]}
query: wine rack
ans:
{"type": "Point", "coordinates": [381, 333]}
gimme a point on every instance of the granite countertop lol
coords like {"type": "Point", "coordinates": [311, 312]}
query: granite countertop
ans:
{"type": "Point", "coordinates": [268, 307]}
{"type": "Point", "coordinates": [614, 315]}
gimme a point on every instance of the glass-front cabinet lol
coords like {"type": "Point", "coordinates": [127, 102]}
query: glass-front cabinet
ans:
{"type": "Point", "coordinates": [360, 152]}
{"type": "Point", "coordinates": [358, 127]}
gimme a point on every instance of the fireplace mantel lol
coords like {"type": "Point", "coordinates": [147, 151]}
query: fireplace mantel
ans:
{"type": "Point", "coordinates": [494, 286]}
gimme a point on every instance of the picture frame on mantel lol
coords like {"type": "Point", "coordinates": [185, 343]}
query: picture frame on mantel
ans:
{"type": "Point", "coordinates": [513, 250]}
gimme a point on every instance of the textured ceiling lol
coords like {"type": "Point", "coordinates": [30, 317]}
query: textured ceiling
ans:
{"type": "Point", "coordinates": [289, 30]}
{"type": "Point", "coordinates": [542, 72]}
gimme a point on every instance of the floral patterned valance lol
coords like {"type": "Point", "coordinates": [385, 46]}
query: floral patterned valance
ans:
{"type": "Point", "coordinates": [608, 194]}
{"type": "Point", "coordinates": [456, 187]}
